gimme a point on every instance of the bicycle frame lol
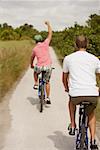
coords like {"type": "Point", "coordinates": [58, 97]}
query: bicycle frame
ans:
{"type": "Point", "coordinates": [82, 132]}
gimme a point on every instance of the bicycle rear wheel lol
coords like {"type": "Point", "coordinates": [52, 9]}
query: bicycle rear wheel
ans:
{"type": "Point", "coordinates": [82, 139]}
{"type": "Point", "coordinates": [42, 98]}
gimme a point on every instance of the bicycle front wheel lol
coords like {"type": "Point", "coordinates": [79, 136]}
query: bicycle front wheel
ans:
{"type": "Point", "coordinates": [42, 98]}
{"type": "Point", "coordinates": [82, 139]}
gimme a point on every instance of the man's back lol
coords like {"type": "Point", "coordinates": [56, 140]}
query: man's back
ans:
{"type": "Point", "coordinates": [41, 51]}
{"type": "Point", "coordinates": [82, 66]}
{"type": "Point", "coordinates": [79, 79]}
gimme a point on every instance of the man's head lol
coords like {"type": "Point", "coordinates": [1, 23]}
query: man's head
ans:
{"type": "Point", "coordinates": [81, 42]}
{"type": "Point", "coordinates": [38, 38]}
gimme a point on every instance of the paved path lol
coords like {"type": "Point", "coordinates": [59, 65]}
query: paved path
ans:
{"type": "Point", "coordinates": [25, 128]}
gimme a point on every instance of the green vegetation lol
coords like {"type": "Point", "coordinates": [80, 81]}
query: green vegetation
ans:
{"type": "Point", "coordinates": [63, 41]}
{"type": "Point", "coordinates": [14, 59]}
{"type": "Point", "coordinates": [25, 31]}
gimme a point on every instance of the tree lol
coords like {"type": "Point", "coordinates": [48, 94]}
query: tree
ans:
{"type": "Point", "coordinates": [5, 26]}
{"type": "Point", "coordinates": [7, 35]}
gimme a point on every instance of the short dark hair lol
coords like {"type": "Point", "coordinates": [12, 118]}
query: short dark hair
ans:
{"type": "Point", "coordinates": [81, 41]}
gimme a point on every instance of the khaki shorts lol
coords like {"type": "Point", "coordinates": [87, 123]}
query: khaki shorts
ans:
{"type": "Point", "coordinates": [92, 99]}
{"type": "Point", "coordinates": [47, 70]}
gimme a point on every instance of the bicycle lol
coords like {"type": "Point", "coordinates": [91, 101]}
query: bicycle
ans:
{"type": "Point", "coordinates": [41, 89]}
{"type": "Point", "coordinates": [82, 131]}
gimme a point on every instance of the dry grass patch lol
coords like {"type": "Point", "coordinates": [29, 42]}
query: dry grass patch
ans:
{"type": "Point", "coordinates": [14, 59]}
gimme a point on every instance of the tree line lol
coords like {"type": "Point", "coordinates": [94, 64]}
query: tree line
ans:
{"type": "Point", "coordinates": [26, 31]}
{"type": "Point", "coordinates": [62, 41]}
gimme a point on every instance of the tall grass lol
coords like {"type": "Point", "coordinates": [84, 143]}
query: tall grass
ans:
{"type": "Point", "coordinates": [14, 59]}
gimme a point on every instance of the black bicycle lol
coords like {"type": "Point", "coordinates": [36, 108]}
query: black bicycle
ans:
{"type": "Point", "coordinates": [82, 131]}
{"type": "Point", "coordinates": [41, 89]}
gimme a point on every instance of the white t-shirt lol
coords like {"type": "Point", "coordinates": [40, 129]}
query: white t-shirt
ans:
{"type": "Point", "coordinates": [82, 67]}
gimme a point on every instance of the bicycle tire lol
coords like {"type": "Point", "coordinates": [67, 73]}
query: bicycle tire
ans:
{"type": "Point", "coordinates": [42, 98]}
{"type": "Point", "coordinates": [82, 139]}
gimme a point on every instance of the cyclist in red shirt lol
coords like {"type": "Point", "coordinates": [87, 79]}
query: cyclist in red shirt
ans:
{"type": "Point", "coordinates": [41, 52]}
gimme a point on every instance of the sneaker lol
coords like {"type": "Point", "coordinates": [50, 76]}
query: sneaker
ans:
{"type": "Point", "coordinates": [71, 131]}
{"type": "Point", "coordinates": [48, 101]}
{"type": "Point", "coordinates": [93, 145]}
{"type": "Point", "coordinates": [35, 87]}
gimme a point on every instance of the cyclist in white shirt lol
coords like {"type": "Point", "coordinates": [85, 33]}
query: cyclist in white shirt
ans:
{"type": "Point", "coordinates": [79, 80]}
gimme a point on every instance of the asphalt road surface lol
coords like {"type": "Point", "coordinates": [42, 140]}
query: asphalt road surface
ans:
{"type": "Point", "coordinates": [23, 127]}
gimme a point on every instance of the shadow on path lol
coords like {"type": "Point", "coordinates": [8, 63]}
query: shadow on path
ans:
{"type": "Point", "coordinates": [61, 141]}
{"type": "Point", "coordinates": [34, 101]}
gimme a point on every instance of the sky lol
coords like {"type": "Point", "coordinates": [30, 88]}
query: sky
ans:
{"type": "Point", "coordinates": [60, 13]}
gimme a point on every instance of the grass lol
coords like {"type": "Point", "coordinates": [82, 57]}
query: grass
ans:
{"type": "Point", "coordinates": [14, 59]}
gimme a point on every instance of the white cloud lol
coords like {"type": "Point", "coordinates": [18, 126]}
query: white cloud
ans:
{"type": "Point", "coordinates": [61, 13]}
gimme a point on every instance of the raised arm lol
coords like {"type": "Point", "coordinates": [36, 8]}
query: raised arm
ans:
{"type": "Point", "coordinates": [49, 30]}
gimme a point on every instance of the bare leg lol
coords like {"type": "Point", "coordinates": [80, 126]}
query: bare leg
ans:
{"type": "Point", "coordinates": [72, 110]}
{"type": "Point", "coordinates": [92, 125]}
{"type": "Point", "coordinates": [35, 78]}
{"type": "Point", "coordinates": [48, 89]}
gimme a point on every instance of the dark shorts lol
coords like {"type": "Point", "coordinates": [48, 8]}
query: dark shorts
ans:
{"type": "Point", "coordinates": [92, 99]}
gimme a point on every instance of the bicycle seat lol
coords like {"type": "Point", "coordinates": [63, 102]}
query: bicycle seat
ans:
{"type": "Point", "coordinates": [85, 103]}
